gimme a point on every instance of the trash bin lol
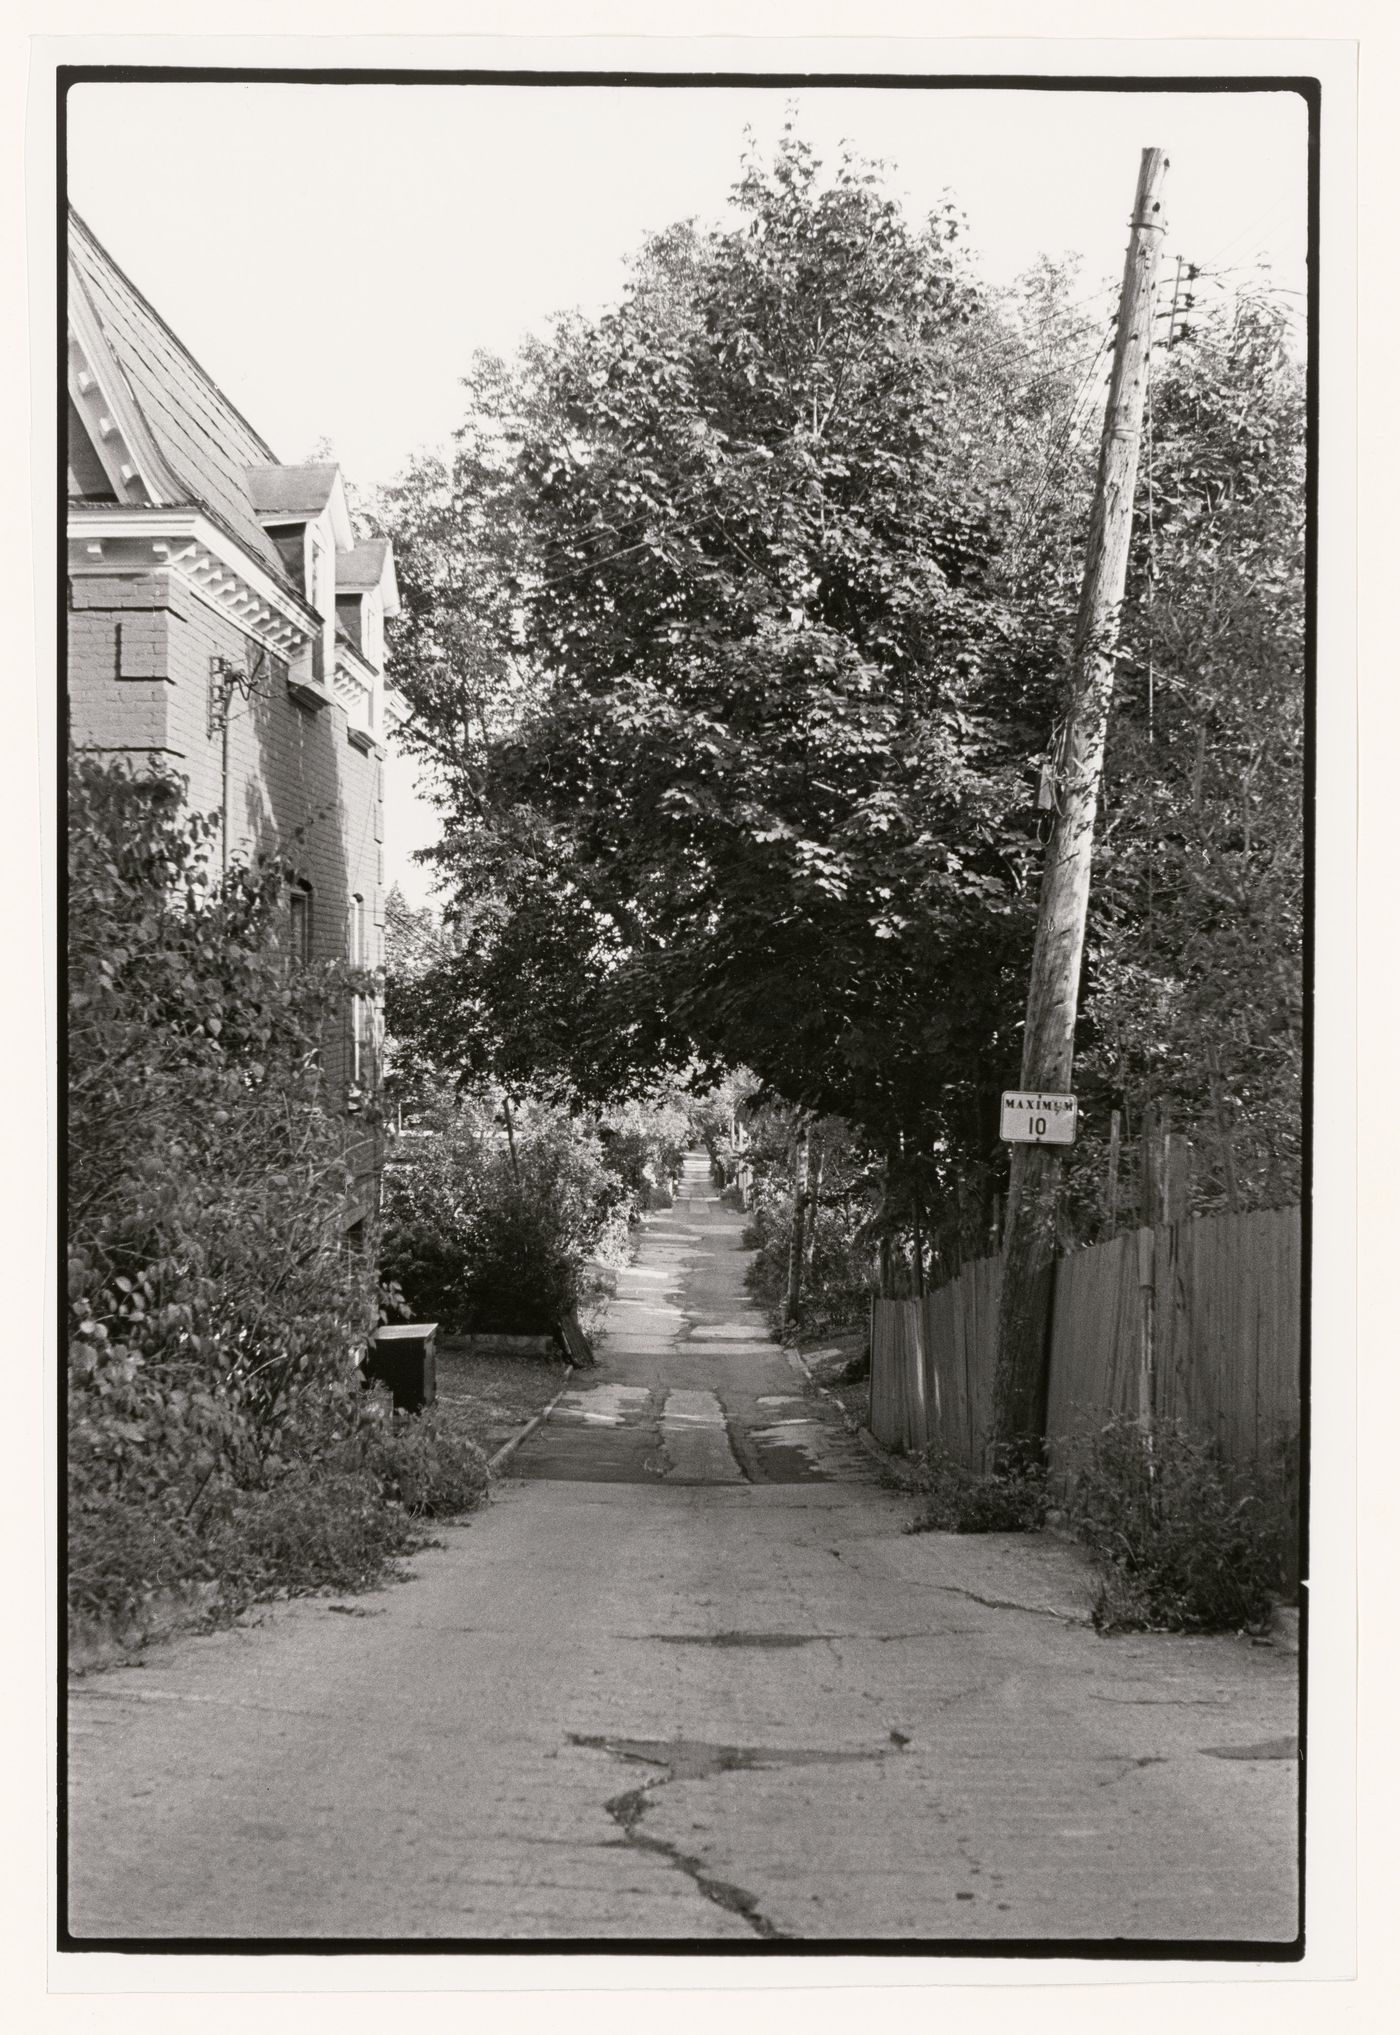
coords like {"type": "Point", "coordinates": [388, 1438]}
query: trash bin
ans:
{"type": "Point", "coordinates": [404, 1357]}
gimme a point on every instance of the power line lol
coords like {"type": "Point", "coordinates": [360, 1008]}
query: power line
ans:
{"type": "Point", "coordinates": [1249, 227]}
{"type": "Point", "coordinates": [1079, 410]}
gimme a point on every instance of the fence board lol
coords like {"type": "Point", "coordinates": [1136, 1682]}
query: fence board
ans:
{"type": "Point", "coordinates": [959, 1330]}
{"type": "Point", "coordinates": [1228, 1338]}
{"type": "Point", "coordinates": [898, 1384]}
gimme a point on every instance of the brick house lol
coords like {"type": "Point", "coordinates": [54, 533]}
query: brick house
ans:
{"type": "Point", "coordinates": [225, 620]}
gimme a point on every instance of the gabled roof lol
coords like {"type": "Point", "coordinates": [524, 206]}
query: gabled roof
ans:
{"type": "Point", "coordinates": [366, 568]}
{"type": "Point", "coordinates": [206, 444]}
{"type": "Point", "coordinates": [360, 570]}
{"type": "Point", "coordinates": [200, 451]}
{"type": "Point", "coordinates": [291, 491]}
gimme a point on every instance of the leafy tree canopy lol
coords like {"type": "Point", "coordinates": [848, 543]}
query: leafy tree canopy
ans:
{"type": "Point", "coordinates": [734, 633]}
{"type": "Point", "coordinates": [722, 650]}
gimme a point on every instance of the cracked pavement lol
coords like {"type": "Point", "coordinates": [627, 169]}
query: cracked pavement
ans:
{"type": "Point", "coordinates": [637, 1699]}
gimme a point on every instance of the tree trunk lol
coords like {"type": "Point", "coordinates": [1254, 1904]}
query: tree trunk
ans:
{"type": "Point", "coordinates": [1222, 1125]}
{"type": "Point", "coordinates": [1115, 1134]}
{"type": "Point", "coordinates": [813, 1210]}
{"type": "Point", "coordinates": [918, 1232]}
{"type": "Point", "coordinates": [886, 1232]}
{"type": "Point", "coordinates": [801, 1178]}
{"type": "Point", "coordinates": [510, 1139]}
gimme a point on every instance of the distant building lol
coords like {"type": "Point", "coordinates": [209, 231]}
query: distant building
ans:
{"type": "Point", "coordinates": [225, 621]}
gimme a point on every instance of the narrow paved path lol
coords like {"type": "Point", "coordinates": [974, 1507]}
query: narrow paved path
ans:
{"type": "Point", "coordinates": [693, 1388]}
{"type": "Point", "coordinates": [688, 1679]}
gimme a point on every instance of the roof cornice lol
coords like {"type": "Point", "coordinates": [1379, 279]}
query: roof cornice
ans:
{"type": "Point", "coordinates": [354, 684]}
{"type": "Point", "coordinates": [356, 661]}
{"type": "Point", "coordinates": [107, 540]}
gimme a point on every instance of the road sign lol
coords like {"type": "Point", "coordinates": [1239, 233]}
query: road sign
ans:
{"type": "Point", "coordinates": [1030, 1118]}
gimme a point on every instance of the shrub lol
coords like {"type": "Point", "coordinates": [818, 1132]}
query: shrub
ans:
{"type": "Point", "coordinates": [644, 1143]}
{"type": "Point", "coordinates": [836, 1280]}
{"type": "Point", "coordinates": [533, 1234]}
{"type": "Point", "coordinates": [478, 1238]}
{"type": "Point", "coordinates": [214, 1310]}
{"type": "Point", "coordinates": [320, 1527]}
{"type": "Point", "coordinates": [421, 1465]}
{"type": "Point", "coordinates": [332, 1522]}
{"type": "Point", "coordinates": [1183, 1544]}
{"type": "Point", "coordinates": [960, 1500]}
{"type": "Point", "coordinates": [122, 1555]}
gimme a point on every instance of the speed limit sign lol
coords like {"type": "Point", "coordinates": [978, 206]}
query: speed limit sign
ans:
{"type": "Point", "coordinates": [1031, 1118]}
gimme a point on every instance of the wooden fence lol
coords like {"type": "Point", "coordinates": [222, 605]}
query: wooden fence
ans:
{"type": "Point", "coordinates": [1199, 1322]}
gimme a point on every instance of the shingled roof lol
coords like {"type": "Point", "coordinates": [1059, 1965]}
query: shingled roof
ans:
{"type": "Point", "coordinates": [291, 491]}
{"type": "Point", "coordinates": [209, 447]}
{"type": "Point", "coordinates": [360, 570]}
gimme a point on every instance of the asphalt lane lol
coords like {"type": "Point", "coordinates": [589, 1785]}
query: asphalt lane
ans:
{"type": "Point", "coordinates": [687, 1679]}
{"type": "Point", "coordinates": [691, 1388]}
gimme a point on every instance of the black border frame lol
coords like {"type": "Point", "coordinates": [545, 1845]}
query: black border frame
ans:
{"type": "Point", "coordinates": [1135, 1950]}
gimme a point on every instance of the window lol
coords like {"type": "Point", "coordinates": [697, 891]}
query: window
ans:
{"type": "Point", "coordinates": [299, 915]}
{"type": "Point", "coordinates": [361, 1007]}
{"type": "Point", "coordinates": [315, 571]}
{"type": "Point", "coordinates": [317, 593]}
{"type": "Point", "coordinates": [359, 1040]}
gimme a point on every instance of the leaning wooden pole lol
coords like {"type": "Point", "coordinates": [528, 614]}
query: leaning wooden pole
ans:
{"type": "Point", "coordinates": [1052, 1006]}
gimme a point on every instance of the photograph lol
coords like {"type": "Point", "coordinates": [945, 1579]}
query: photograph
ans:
{"type": "Point", "coordinates": [686, 754]}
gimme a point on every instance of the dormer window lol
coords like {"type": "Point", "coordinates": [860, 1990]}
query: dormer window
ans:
{"type": "Point", "coordinates": [303, 511]}
{"type": "Point", "coordinates": [364, 593]}
{"type": "Point", "coordinates": [316, 570]}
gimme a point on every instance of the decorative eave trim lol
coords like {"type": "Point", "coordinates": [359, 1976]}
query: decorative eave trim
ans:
{"type": "Point", "coordinates": [356, 663]}
{"type": "Point", "coordinates": [359, 689]}
{"type": "Point", "coordinates": [353, 686]}
{"type": "Point", "coordinates": [106, 541]}
{"type": "Point", "coordinates": [120, 434]}
{"type": "Point", "coordinates": [396, 709]}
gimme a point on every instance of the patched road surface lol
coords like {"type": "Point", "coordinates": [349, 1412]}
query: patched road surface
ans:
{"type": "Point", "coordinates": [692, 1389]}
{"type": "Point", "coordinates": [688, 1679]}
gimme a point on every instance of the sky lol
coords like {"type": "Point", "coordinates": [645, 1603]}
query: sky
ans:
{"type": "Point", "coordinates": [334, 255]}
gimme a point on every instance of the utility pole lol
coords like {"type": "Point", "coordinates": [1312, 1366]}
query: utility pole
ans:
{"type": "Point", "coordinates": [1053, 1003]}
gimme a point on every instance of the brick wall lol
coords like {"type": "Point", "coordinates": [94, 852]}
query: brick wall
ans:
{"type": "Point", "coordinates": [139, 660]}
{"type": "Point", "coordinates": [118, 657]}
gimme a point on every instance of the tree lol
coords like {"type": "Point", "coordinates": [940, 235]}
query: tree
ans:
{"type": "Point", "coordinates": [762, 772]}
{"type": "Point", "coordinates": [734, 630]}
{"type": "Point", "coordinates": [1195, 982]}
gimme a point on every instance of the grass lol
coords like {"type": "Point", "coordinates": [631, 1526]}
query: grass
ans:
{"type": "Point", "coordinates": [486, 1396]}
{"type": "Point", "coordinates": [959, 1500]}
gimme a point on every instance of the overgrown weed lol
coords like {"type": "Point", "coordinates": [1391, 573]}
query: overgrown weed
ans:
{"type": "Point", "coordinates": [1183, 1543]}
{"type": "Point", "coordinates": [336, 1523]}
{"type": "Point", "coordinates": [961, 1500]}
